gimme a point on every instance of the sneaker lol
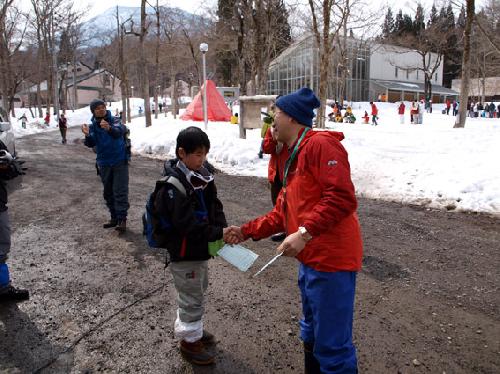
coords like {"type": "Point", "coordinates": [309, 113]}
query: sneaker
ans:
{"type": "Point", "coordinates": [11, 293]}
{"type": "Point", "coordinates": [279, 237]}
{"type": "Point", "coordinates": [121, 225]}
{"type": "Point", "coordinates": [196, 353]}
{"type": "Point", "coordinates": [112, 223]}
{"type": "Point", "coordinates": [207, 338]}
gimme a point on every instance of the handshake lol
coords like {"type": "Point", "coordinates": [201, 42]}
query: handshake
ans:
{"type": "Point", "coordinates": [233, 235]}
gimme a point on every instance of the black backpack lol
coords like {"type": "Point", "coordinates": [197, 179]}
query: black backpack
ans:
{"type": "Point", "coordinates": [128, 143]}
{"type": "Point", "coordinates": [157, 228]}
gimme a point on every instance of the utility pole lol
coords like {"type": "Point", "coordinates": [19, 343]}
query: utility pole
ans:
{"type": "Point", "coordinates": [54, 63]}
{"type": "Point", "coordinates": [204, 50]}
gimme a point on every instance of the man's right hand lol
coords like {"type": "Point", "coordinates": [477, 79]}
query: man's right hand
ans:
{"type": "Point", "coordinates": [85, 129]}
{"type": "Point", "coordinates": [233, 235]}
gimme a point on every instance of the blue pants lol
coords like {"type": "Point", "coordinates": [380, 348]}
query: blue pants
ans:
{"type": "Point", "coordinates": [115, 181]}
{"type": "Point", "coordinates": [328, 308]}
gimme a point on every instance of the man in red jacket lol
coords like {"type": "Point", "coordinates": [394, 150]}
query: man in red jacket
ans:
{"type": "Point", "coordinates": [279, 155]}
{"type": "Point", "coordinates": [317, 210]}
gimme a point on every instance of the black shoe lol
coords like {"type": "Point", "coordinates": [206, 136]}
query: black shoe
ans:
{"type": "Point", "coordinates": [279, 237]}
{"type": "Point", "coordinates": [112, 223]}
{"type": "Point", "coordinates": [261, 155]}
{"type": "Point", "coordinates": [121, 225]}
{"type": "Point", "coordinates": [11, 293]}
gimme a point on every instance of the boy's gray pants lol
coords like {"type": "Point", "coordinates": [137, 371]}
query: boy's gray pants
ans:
{"type": "Point", "coordinates": [191, 281]}
{"type": "Point", "coordinates": [4, 236]}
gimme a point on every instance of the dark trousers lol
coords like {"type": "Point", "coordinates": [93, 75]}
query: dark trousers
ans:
{"type": "Point", "coordinates": [4, 236]}
{"type": "Point", "coordinates": [115, 181]}
{"type": "Point", "coordinates": [63, 134]}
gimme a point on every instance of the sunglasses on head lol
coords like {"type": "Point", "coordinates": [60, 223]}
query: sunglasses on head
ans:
{"type": "Point", "coordinates": [198, 179]}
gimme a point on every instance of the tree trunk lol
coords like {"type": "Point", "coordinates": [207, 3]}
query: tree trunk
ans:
{"type": "Point", "coordinates": [143, 68]}
{"type": "Point", "coordinates": [39, 100]}
{"type": "Point", "coordinates": [129, 114]}
{"type": "Point", "coordinates": [465, 83]}
{"type": "Point", "coordinates": [324, 68]}
{"type": "Point", "coordinates": [173, 93]}
{"type": "Point", "coordinates": [157, 58]}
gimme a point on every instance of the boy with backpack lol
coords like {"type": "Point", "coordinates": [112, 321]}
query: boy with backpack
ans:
{"type": "Point", "coordinates": [189, 221]}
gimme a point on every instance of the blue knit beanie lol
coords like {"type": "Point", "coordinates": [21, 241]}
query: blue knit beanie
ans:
{"type": "Point", "coordinates": [95, 103]}
{"type": "Point", "coordinates": [299, 105]}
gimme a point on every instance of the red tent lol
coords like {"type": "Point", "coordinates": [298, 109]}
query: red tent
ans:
{"type": "Point", "coordinates": [217, 109]}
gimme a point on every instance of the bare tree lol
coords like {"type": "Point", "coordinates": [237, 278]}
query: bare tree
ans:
{"type": "Point", "coordinates": [143, 63]}
{"type": "Point", "coordinates": [465, 82]}
{"type": "Point", "coordinates": [12, 68]}
{"type": "Point", "coordinates": [328, 18]}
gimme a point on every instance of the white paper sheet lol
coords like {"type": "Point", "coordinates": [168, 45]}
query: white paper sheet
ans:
{"type": "Point", "coordinates": [238, 256]}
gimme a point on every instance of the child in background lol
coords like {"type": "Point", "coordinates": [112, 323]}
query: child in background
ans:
{"type": "Point", "coordinates": [349, 116]}
{"type": "Point", "coordinates": [366, 118]}
{"type": "Point", "coordinates": [266, 124]}
{"type": "Point", "coordinates": [23, 120]}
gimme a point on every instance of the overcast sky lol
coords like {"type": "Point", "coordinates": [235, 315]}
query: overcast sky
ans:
{"type": "Point", "coordinates": [196, 6]}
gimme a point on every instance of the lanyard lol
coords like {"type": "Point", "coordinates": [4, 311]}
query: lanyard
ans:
{"type": "Point", "coordinates": [288, 162]}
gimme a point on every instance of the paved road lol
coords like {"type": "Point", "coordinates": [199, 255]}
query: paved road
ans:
{"type": "Point", "coordinates": [427, 300]}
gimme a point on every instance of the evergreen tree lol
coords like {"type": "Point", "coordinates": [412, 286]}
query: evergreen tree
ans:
{"type": "Point", "coordinates": [433, 17]}
{"type": "Point", "coordinates": [453, 54]}
{"type": "Point", "coordinates": [398, 24]}
{"type": "Point", "coordinates": [419, 23]}
{"type": "Point", "coordinates": [461, 20]}
{"type": "Point", "coordinates": [407, 24]}
{"type": "Point", "coordinates": [442, 13]}
{"type": "Point", "coordinates": [284, 30]}
{"type": "Point", "coordinates": [227, 63]}
{"type": "Point", "coordinates": [450, 17]}
{"type": "Point", "coordinates": [388, 26]}
{"type": "Point", "coordinates": [65, 51]}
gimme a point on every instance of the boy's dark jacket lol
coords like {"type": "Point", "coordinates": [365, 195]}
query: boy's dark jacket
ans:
{"type": "Point", "coordinates": [189, 238]}
{"type": "Point", "coordinates": [110, 145]}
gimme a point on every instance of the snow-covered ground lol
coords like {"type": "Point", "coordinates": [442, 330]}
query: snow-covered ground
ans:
{"type": "Point", "coordinates": [431, 164]}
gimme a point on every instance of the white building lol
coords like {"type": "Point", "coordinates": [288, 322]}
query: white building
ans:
{"type": "Point", "coordinates": [396, 74]}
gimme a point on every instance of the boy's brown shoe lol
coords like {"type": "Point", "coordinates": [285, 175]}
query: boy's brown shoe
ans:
{"type": "Point", "coordinates": [196, 353]}
{"type": "Point", "coordinates": [207, 338]}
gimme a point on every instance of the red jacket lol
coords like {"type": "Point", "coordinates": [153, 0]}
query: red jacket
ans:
{"type": "Point", "coordinates": [319, 196]}
{"type": "Point", "coordinates": [401, 108]}
{"type": "Point", "coordinates": [277, 161]}
{"type": "Point", "coordinates": [374, 110]}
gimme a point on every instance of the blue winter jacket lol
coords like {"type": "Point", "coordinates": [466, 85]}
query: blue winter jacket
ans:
{"type": "Point", "coordinates": [109, 145]}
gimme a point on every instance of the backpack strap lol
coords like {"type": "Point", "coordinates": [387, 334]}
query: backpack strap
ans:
{"type": "Point", "coordinates": [174, 182]}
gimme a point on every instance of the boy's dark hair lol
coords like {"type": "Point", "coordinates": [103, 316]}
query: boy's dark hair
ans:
{"type": "Point", "coordinates": [190, 139]}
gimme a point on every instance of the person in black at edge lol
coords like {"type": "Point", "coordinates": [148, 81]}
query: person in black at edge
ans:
{"type": "Point", "coordinates": [9, 169]}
